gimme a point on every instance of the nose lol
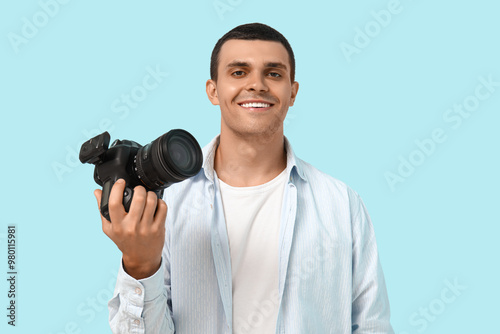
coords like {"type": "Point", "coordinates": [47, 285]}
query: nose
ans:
{"type": "Point", "coordinates": [257, 82]}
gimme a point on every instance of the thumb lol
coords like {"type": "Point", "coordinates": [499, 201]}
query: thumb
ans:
{"type": "Point", "coordinates": [98, 195]}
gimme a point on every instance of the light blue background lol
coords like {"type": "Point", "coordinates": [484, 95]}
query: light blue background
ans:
{"type": "Point", "coordinates": [351, 119]}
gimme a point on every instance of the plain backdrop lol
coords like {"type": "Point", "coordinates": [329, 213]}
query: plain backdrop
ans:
{"type": "Point", "coordinates": [381, 86]}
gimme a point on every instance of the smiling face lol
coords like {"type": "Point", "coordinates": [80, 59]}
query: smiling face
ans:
{"type": "Point", "coordinates": [253, 88]}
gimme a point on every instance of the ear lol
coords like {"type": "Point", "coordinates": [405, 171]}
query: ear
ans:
{"type": "Point", "coordinates": [295, 89]}
{"type": "Point", "coordinates": [212, 92]}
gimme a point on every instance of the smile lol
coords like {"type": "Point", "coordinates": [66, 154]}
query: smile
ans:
{"type": "Point", "coordinates": [256, 106]}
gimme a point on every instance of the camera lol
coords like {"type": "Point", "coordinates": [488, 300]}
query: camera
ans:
{"type": "Point", "coordinates": [171, 158]}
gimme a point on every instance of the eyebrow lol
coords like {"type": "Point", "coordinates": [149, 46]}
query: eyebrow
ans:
{"type": "Point", "coordinates": [239, 63]}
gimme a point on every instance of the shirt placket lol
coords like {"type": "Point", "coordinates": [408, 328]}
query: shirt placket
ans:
{"type": "Point", "coordinates": [286, 236]}
{"type": "Point", "coordinates": [220, 249]}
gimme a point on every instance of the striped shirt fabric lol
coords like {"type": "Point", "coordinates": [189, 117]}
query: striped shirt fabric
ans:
{"type": "Point", "coordinates": [330, 276]}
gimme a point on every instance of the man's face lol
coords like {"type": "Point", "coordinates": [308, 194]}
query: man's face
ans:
{"type": "Point", "coordinates": [253, 87]}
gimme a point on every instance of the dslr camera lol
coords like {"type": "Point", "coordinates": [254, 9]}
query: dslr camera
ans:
{"type": "Point", "coordinates": [171, 158]}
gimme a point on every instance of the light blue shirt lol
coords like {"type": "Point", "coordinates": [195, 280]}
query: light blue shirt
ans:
{"type": "Point", "coordinates": [330, 277]}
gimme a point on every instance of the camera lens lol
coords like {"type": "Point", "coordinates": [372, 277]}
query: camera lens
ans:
{"type": "Point", "coordinates": [173, 157]}
{"type": "Point", "coordinates": [179, 150]}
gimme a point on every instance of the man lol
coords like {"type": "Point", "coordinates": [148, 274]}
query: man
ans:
{"type": "Point", "coordinates": [258, 241]}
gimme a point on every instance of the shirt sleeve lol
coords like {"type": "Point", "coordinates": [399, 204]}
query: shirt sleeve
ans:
{"type": "Point", "coordinates": [140, 306]}
{"type": "Point", "coordinates": [370, 302]}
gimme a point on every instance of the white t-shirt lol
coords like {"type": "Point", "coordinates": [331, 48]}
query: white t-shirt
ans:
{"type": "Point", "coordinates": [253, 216]}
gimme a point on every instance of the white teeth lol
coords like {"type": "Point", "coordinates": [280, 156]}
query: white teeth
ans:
{"type": "Point", "coordinates": [256, 105]}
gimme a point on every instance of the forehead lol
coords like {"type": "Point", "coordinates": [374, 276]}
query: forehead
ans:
{"type": "Point", "coordinates": [254, 52]}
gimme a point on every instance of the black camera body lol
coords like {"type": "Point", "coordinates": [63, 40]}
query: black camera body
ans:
{"type": "Point", "coordinates": [171, 158]}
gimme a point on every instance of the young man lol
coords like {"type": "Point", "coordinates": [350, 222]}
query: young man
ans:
{"type": "Point", "coordinates": [258, 241]}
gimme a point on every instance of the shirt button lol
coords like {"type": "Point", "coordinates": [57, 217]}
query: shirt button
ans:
{"type": "Point", "coordinates": [211, 207]}
{"type": "Point", "coordinates": [138, 291]}
{"type": "Point", "coordinates": [137, 321]}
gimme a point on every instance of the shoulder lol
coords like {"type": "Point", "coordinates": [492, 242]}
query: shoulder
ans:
{"type": "Point", "coordinates": [315, 183]}
{"type": "Point", "coordinates": [330, 200]}
{"type": "Point", "coordinates": [322, 183]}
{"type": "Point", "coordinates": [189, 188]}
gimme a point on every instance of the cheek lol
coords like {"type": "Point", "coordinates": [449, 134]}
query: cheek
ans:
{"type": "Point", "coordinates": [284, 96]}
{"type": "Point", "coordinates": [226, 93]}
{"type": "Point", "coordinates": [280, 90]}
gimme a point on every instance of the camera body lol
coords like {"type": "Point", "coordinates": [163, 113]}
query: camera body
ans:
{"type": "Point", "coordinates": [171, 158]}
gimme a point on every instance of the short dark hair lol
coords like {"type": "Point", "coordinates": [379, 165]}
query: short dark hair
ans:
{"type": "Point", "coordinates": [251, 31]}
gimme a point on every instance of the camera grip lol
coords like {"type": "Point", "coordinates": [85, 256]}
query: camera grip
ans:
{"type": "Point", "coordinates": [106, 191]}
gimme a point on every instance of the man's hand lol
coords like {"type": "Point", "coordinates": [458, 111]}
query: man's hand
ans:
{"type": "Point", "coordinates": [140, 233]}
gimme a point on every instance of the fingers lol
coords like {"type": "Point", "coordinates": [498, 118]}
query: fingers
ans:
{"type": "Point", "coordinates": [146, 209]}
{"type": "Point", "coordinates": [115, 202]}
{"type": "Point", "coordinates": [161, 213]}
{"type": "Point", "coordinates": [138, 203]}
{"type": "Point", "coordinates": [149, 209]}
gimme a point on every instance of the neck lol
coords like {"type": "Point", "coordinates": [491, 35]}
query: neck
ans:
{"type": "Point", "coordinates": [246, 162]}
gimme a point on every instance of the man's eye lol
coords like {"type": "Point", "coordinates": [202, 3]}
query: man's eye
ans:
{"type": "Point", "coordinates": [237, 73]}
{"type": "Point", "coordinates": [274, 74]}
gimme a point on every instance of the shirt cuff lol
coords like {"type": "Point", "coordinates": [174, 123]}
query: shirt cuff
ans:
{"type": "Point", "coordinates": [145, 289]}
{"type": "Point", "coordinates": [154, 285]}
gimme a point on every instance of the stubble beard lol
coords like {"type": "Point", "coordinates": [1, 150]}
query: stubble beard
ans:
{"type": "Point", "coordinates": [255, 132]}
